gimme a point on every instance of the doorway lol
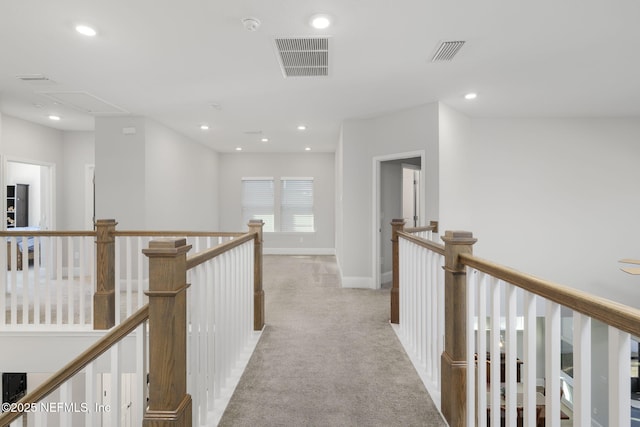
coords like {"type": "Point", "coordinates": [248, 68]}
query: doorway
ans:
{"type": "Point", "coordinates": [38, 178]}
{"type": "Point", "coordinates": [397, 194]}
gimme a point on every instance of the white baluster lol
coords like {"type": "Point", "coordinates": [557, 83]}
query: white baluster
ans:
{"type": "Point", "coordinates": [70, 285]}
{"type": "Point", "coordinates": [141, 374]}
{"type": "Point", "coordinates": [471, 366]}
{"type": "Point", "coordinates": [82, 277]}
{"type": "Point", "coordinates": [581, 369]}
{"type": "Point", "coordinates": [116, 387]}
{"type": "Point", "coordinates": [37, 286]}
{"type": "Point", "coordinates": [529, 360]}
{"type": "Point", "coordinates": [511, 355]}
{"type": "Point", "coordinates": [217, 287]}
{"type": "Point", "coordinates": [481, 338]}
{"type": "Point", "coordinates": [552, 365]}
{"type": "Point", "coordinates": [48, 274]}
{"type": "Point", "coordinates": [440, 273]}
{"type": "Point", "coordinates": [129, 278]}
{"type": "Point", "coordinates": [141, 264]}
{"type": "Point", "coordinates": [91, 417]}
{"type": "Point", "coordinates": [619, 378]}
{"type": "Point", "coordinates": [495, 353]}
{"type": "Point", "coordinates": [25, 280]}
{"type": "Point", "coordinates": [202, 341]}
{"type": "Point", "coordinates": [14, 281]}
{"type": "Point", "coordinates": [211, 305]}
{"type": "Point", "coordinates": [59, 283]}
{"type": "Point", "coordinates": [66, 394]}
{"type": "Point", "coordinates": [117, 275]}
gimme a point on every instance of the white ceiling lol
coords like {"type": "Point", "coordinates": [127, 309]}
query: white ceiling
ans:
{"type": "Point", "coordinates": [172, 60]}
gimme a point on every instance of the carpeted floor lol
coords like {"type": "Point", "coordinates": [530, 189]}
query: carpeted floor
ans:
{"type": "Point", "coordinates": [327, 357]}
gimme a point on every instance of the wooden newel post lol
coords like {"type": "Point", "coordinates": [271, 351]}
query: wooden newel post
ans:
{"type": "Point", "coordinates": [453, 384]}
{"type": "Point", "coordinates": [104, 300]}
{"type": "Point", "coordinates": [255, 226]}
{"type": "Point", "coordinates": [396, 226]}
{"type": "Point", "coordinates": [169, 404]}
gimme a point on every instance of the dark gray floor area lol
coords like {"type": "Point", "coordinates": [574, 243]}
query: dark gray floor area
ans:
{"type": "Point", "coordinates": [327, 357]}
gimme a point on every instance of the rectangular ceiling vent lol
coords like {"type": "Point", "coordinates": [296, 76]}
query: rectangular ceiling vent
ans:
{"type": "Point", "coordinates": [303, 56]}
{"type": "Point", "coordinates": [85, 102]}
{"type": "Point", "coordinates": [447, 50]}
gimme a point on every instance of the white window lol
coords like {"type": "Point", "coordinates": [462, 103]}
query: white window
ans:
{"type": "Point", "coordinates": [257, 201]}
{"type": "Point", "coordinates": [296, 205]}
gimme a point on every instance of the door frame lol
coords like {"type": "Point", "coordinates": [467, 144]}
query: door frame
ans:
{"type": "Point", "coordinates": [375, 207]}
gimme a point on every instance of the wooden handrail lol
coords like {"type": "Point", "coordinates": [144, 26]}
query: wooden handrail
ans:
{"type": "Point", "coordinates": [625, 318]}
{"type": "Point", "coordinates": [433, 246]}
{"type": "Point", "coordinates": [47, 233]}
{"type": "Point", "coordinates": [77, 364]}
{"type": "Point", "coordinates": [164, 233]}
{"type": "Point", "coordinates": [208, 254]}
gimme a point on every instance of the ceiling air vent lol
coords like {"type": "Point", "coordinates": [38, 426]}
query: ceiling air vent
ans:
{"type": "Point", "coordinates": [447, 50]}
{"type": "Point", "coordinates": [303, 56]}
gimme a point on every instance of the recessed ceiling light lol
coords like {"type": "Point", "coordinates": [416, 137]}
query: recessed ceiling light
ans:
{"type": "Point", "coordinates": [265, 140]}
{"type": "Point", "coordinates": [204, 127]}
{"type": "Point", "coordinates": [307, 149]}
{"type": "Point", "coordinates": [320, 21]}
{"type": "Point", "coordinates": [302, 127]}
{"type": "Point", "coordinates": [238, 148]}
{"type": "Point", "coordinates": [54, 117]}
{"type": "Point", "coordinates": [471, 95]}
{"type": "Point", "coordinates": [86, 30]}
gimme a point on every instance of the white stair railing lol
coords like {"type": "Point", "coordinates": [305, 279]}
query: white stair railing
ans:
{"type": "Point", "coordinates": [132, 267]}
{"type": "Point", "coordinates": [220, 318]}
{"type": "Point", "coordinates": [105, 385]}
{"type": "Point", "coordinates": [421, 326]}
{"type": "Point", "coordinates": [511, 314]}
{"type": "Point", "coordinates": [529, 342]}
{"type": "Point", "coordinates": [47, 281]}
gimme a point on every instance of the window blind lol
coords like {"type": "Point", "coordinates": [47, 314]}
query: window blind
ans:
{"type": "Point", "coordinates": [257, 201]}
{"type": "Point", "coordinates": [296, 205]}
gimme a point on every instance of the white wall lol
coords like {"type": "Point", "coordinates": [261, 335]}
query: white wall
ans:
{"type": "Point", "coordinates": [558, 198]}
{"type": "Point", "coordinates": [181, 182]}
{"type": "Point", "coordinates": [406, 131]}
{"type": "Point", "coordinates": [320, 166]}
{"type": "Point", "coordinates": [120, 171]}
{"type": "Point", "coordinates": [79, 152]}
{"type": "Point", "coordinates": [455, 161]}
{"type": "Point", "coordinates": [154, 178]}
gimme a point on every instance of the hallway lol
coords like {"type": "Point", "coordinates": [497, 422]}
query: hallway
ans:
{"type": "Point", "coordinates": [327, 356]}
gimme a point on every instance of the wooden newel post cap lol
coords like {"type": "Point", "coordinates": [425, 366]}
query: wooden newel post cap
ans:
{"type": "Point", "coordinates": [398, 221]}
{"type": "Point", "coordinates": [166, 247]}
{"type": "Point", "coordinates": [458, 238]}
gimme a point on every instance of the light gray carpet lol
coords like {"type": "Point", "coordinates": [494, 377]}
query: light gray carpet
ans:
{"type": "Point", "coordinates": [327, 357]}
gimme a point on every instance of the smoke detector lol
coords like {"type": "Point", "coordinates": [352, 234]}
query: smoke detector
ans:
{"type": "Point", "coordinates": [251, 24]}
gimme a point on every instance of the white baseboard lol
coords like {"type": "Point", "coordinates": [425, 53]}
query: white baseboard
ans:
{"type": "Point", "coordinates": [357, 282]}
{"type": "Point", "coordinates": [298, 251]}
